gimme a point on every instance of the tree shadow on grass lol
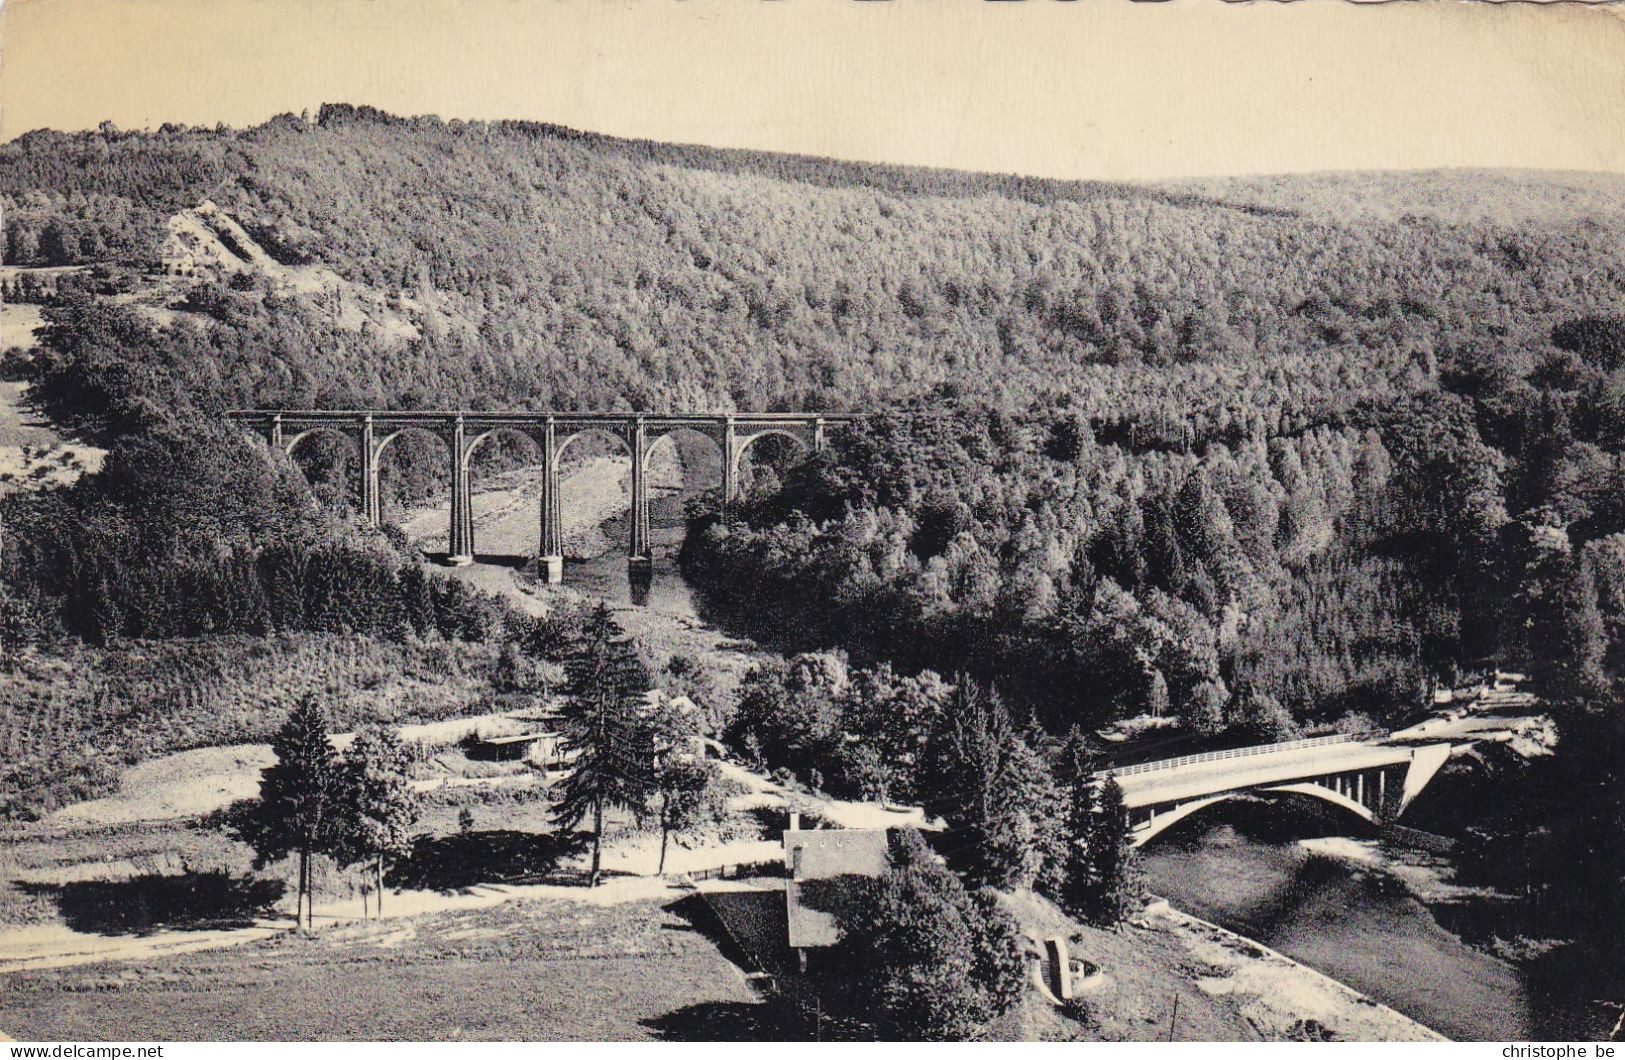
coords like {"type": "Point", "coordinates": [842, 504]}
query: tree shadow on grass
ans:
{"type": "Point", "coordinates": [141, 905]}
{"type": "Point", "coordinates": [468, 859]}
{"type": "Point", "coordinates": [732, 1021]}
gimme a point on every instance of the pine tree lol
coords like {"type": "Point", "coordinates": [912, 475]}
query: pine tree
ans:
{"type": "Point", "coordinates": [605, 729]}
{"type": "Point", "coordinates": [1101, 880]}
{"type": "Point", "coordinates": [380, 804]}
{"type": "Point", "coordinates": [300, 799]}
{"type": "Point", "coordinates": [1115, 889]}
{"type": "Point", "coordinates": [1156, 698]}
{"type": "Point", "coordinates": [1043, 801]}
{"type": "Point", "coordinates": [1079, 885]}
{"type": "Point", "coordinates": [975, 780]}
{"type": "Point", "coordinates": [1077, 759]}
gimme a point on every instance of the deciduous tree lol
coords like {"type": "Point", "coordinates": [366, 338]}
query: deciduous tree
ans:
{"type": "Point", "coordinates": [380, 806]}
{"type": "Point", "coordinates": [931, 961]}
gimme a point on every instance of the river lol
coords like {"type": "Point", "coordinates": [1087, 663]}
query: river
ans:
{"type": "Point", "coordinates": [1360, 911]}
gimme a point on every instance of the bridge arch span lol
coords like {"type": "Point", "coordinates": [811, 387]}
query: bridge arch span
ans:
{"type": "Point", "coordinates": [532, 444]}
{"type": "Point", "coordinates": [382, 474]}
{"type": "Point", "coordinates": [292, 442]}
{"type": "Point", "coordinates": [746, 439]}
{"type": "Point", "coordinates": [381, 442]}
{"type": "Point", "coordinates": [534, 454]}
{"type": "Point", "coordinates": [348, 456]}
{"type": "Point", "coordinates": [806, 445]}
{"type": "Point", "coordinates": [1327, 795]}
{"type": "Point", "coordinates": [1159, 823]}
{"type": "Point", "coordinates": [711, 468]}
{"type": "Point", "coordinates": [570, 436]}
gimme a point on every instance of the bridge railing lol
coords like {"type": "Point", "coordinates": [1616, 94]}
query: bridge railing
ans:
{"type": "Point", "coordinates": [1219, 756]}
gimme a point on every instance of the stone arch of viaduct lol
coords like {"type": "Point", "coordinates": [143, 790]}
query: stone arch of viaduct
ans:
{"type": "Point", "coordinates": [370, 433]}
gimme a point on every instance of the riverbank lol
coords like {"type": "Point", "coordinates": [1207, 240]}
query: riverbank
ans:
{"type": "Point", "coordinates": [1283, 998]}
{"type": "Point", "coordinates": [1353, 909]}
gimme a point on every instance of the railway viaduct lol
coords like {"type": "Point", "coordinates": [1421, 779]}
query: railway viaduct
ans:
{"type": "Point", "coordinates": [370, 432]}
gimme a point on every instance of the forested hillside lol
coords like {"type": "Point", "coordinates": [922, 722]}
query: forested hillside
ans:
{"type": "Point", "coordinates": [1219, 445]}
{"type": "Point", "coordinates": [542, 266]}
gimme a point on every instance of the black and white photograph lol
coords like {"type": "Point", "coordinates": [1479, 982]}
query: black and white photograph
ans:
{"type": "Point", "coordinates": [811, 521]}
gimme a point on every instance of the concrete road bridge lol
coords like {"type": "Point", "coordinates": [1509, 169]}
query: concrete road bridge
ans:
{"type": "Point", "coordinates": [1374, 778]}
{"type": "Point", "coordinates": [370, 433]}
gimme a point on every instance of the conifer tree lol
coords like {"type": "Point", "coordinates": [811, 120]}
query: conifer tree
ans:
{"type": "Point", "coordinates": [1076, 759]}
{"type": "Point", "coordinates": [1114, 887]}
{"type": "Point", "coordinates": [604, 726]}
{"type": "Point", "coordinates": [300, 800]}
{"type": "Point", "coordinates": [975, 781]}
{"type": "Point", "coordinates": [1079, 886]}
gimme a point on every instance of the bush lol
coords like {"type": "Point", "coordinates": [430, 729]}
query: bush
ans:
{"type": "Point", "coordinates": [926, 959]}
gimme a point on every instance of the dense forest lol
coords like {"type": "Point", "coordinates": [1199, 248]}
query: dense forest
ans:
{"type": "Point", "coordinates": [531, 265]}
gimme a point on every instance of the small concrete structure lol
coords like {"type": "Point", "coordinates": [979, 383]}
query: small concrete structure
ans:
{"type": "Point", "coordinates": [1058, 967]}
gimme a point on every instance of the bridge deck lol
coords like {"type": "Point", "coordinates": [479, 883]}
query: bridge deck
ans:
{"type": "Point", "coordinates": [1292, 763]}
{"type": "Point", "coordinates": [534, 416]}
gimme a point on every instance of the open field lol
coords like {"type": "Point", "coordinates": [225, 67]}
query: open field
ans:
{"type": "Point", "coordinates": [531, 970]}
